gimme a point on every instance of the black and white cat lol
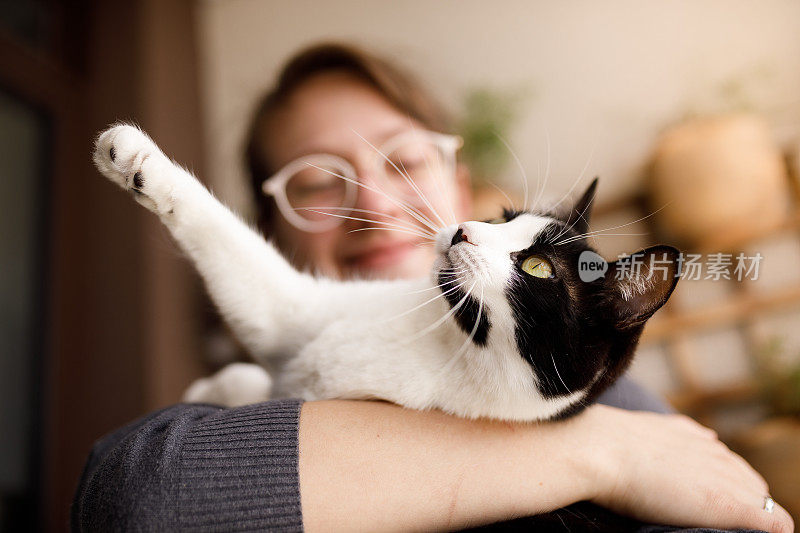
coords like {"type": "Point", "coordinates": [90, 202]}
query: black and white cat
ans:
{"type": "Point", "coordinates": [504, 328]}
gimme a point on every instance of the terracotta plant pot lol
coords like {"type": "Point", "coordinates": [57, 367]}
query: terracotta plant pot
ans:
{"type": "Point", "coordinates": [721, 179]}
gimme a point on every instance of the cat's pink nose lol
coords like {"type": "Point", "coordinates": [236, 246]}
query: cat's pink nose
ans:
{"type": "Point", "coordinates": [457, 237]}
{"type": "Point", "coordinates": [460, 236]}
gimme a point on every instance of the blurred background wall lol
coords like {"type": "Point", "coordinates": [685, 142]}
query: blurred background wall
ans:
{"type": "Point", "coordinates": [102, 321]}
{"type": "Point", "coordinates": [600, 79]}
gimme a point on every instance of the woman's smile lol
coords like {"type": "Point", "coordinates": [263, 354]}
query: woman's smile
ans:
{"type": "Point", "coordinates": [381, 256]}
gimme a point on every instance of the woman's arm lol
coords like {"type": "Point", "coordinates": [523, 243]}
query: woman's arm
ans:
{"type": "Point", "coordinates": [375, 466]}
{"type": "Point", "coordinates": [371, 466]}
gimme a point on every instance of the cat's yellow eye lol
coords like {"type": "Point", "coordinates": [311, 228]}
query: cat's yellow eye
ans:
{"type": "Point", "coordinates": [499, 220]}
{"type": "Point", "coordinates": [538, 267]}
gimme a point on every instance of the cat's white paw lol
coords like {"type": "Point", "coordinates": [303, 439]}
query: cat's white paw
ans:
{"type": "Point", "coordinates": [236, 384]}
{"type": "Point", "coordinates": [128, 157]}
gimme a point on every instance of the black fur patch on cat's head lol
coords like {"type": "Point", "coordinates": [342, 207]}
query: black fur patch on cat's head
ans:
{"type": "Point", "coordinates": [579, 335]}
{"type": "Point", "coordinates": [470, 315]}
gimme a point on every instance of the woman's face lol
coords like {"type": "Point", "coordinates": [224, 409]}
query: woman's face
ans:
{"type": "Point", "coordinates": [330, 113]}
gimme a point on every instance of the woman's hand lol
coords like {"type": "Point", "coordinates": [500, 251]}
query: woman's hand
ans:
{"type": "Point", "coordinates": [668, 469]}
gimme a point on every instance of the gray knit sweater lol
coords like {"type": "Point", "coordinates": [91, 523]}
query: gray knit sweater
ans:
{"type": "Point", "coordinates": [195, 467]}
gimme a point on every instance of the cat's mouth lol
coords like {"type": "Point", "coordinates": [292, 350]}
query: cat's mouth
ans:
{"type": "Point", "coordinates": [461, 259]}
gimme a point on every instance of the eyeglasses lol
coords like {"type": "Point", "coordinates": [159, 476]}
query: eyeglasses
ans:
{"type": "Point", "coordinates": [314, 192]}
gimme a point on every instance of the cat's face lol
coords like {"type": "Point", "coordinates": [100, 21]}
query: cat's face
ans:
{"type": "Point", "coordinates": [518, 278]}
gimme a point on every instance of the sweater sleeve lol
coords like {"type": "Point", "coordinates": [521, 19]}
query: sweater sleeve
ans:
{"type": "Point", "coordinates": [195, 467]}
{"type": "Point", "coordinates": [627, 394]}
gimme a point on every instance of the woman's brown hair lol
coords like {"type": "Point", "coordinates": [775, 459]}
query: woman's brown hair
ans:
{"type": "Point", "coordinates": [399, 88]}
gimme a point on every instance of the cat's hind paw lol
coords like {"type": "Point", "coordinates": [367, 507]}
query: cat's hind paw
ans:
{"type": "Point", "coordinates": [128, 157]}
{"type": "Point", "coordinates": [236, 384]}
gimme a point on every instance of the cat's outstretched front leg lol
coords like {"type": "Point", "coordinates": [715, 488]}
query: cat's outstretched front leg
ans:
{"type": "Point", "coordinates": [247, 278]}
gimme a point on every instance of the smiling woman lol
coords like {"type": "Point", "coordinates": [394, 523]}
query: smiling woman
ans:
{"type": "Point", "coordinates": [338, 111]}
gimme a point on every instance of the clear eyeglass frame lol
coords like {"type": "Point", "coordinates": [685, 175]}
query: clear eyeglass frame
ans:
{"type": "Point", "coordinates": [276, 185]}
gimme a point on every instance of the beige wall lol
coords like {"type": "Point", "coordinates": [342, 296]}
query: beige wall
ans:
{"type": "Point", "coordinates": [605, 76]}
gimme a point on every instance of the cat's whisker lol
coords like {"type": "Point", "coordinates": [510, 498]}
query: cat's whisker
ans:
{"type": "Point", "coordinates": [410, 210]}
{"type": "Point", "coordinates": [406, 176]}
{"type": "Point", "coordinates": [458, 353]}
{"type": "Point", "coordinates": [441, 285]}
{"type": "Point", "coordinates": [578, 180]}
{"type": "Point", "coordinates": [430, 223]}
{"type": "Point", "coordinates": [408, 180]}
{"type": "Point", "coordinates": [431, 241]}
{"type": "Point", "coordinates": [594, 234]}
{"type": "Point", "coordinates": [566, 194]}
{"type": "Point", "coordinates": [404, 173]}
{"type": "Point", "coordinates": [546, 170]}
{"type": "Point", "coordinates": [477, 320]}
{"type": "Point", "coordinates": [423, 304]}
{"type": "Point", "coordinates": [441, 195]}
{"type": "Point", "coordinates": [552, 358]}
{"type": "Point", "coordinates": [580, 217]}
{"type": "Point", "coordinates": [523, 175]}
{"type": "Point", "coordinates": [446, 316]}
{"type": "Point", "coordinates": [579, 237]}
{"type": "Point", "coordinates": [372, 221]}
{"type": "Point", "coordinates": [621, 225]}
{"type": "Point", "coordinates": [453, 270]}
{"type": "Point", "coordinates": [549, 381]}
{"type": "Point", "coordinates": [402, 205]}
{"type": "Point", "coordinates": [365, 211]}
{"type": "Point", "coordinates": [510, 201]}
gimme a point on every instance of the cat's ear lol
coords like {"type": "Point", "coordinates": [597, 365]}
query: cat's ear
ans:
{"type": "Point", "coordinates": [578, 216]}
{"type": "Point", "coordinates": [638, 285]}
